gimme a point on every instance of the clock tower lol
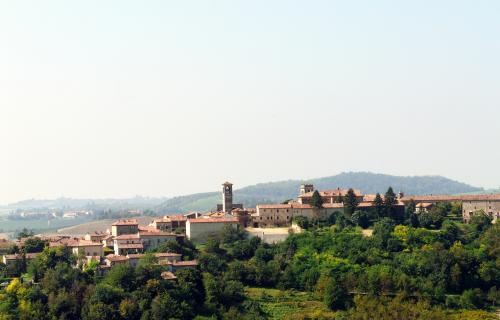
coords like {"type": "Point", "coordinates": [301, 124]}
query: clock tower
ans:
{"type": "Point", "coordinates": [227, 197]}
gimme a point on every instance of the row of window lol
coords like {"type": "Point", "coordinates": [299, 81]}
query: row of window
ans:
{"type": "Point", "coordinates": [277, 218]}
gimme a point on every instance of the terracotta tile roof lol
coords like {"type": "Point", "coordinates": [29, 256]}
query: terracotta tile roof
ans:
{"type": "Point", "coordinates": [61, 242]}
{"type": "Point", "coordinates": [167, 254]}
{"type": "Point", "coordinates": [331, 193]}
{"type": "Point", "coordinates": [167, 219]}
{"type": "Point", "coordinates": [126, 222]}
{"type": "Point", "coordinates": [156, 234]}
{"type": "Point", "coordinates": [147, 228]}
{"type": "Point", "coordinates": [296, 205]}
{"type": "Point", "coordinates": [83, 243]}
{"type": "Point", "coordinates": [177, 217]}
{"type": "Point", "coordinates": [127, 237]}
{"type": "Point", "coordinates": [115, 258]}
{"type": "Point", "coordinates": [167, 275]}
{"type": "Point", "coordinates": [17, 256]}
{"type": "Point", "coordinates": [333, 205]}
{"type": "Point", "coordinates": [470, 197]}
{"type": "Point", "coordinates": [371, 197]}
{"type": "Point", "coordinates": [214, 220]}
{"type": "Point", "coordinates": [274, 206]}
{"type": "Point", "coordinates": [135, 255]}
{"type": "Point", "coordinates": [190, 263]}
{"type": "Point", "coordinates": [131, 246]}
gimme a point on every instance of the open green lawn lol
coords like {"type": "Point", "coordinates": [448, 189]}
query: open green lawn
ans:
{"type": "Point", "coordinates": [279, 304]}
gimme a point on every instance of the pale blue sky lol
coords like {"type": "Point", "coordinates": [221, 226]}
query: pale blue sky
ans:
{"type": "Point", "coordinates": [160, 98]}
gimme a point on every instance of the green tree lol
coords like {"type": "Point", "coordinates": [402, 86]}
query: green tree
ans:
{"type": "Point", "coordinates": [350, 202]}
{"type": "Point", "coordinates": [456, 209]}
{"type": "Point", "coordinates": [389, 202]}
{"type": "Point", "coordinates": [121, 276]}
{"type": "Point", "coordinates": [494, 296]}
{"type": "Point", "coordinates": [301, 221]}
{"type": "Point", "coordinates": [480, 221]}
{"type": "Point", "coordinates": [361, 219]}
{"type": "Point", "coordinates": [34, 244]}
{"type": "Point", "coordinates": [316, 200]}
{"type": "Point", "coordinates": [410, 210]}
{"type": "Point", "coordinates": [24, 233]}
{"type": "Point", "coordinates": [472, 299]}
{"type": "Point", "coordinates": [336, 296]}
{"type": "Point", "coordinates": [99, 311]}
{"type": "Point", "coordinates": [379, 206]}
{"type": "Point", "coordinates": [165, 307]}
{"type": "Point", "coordinates": [382, 231]}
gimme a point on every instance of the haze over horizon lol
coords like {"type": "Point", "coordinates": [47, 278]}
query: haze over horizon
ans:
{"type": "Point", "coordinates": [119, 99]}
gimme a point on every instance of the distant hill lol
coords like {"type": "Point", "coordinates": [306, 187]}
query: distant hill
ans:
{"type": "Point", "coordinates": [275, 192]}
{"type": "Point", "coordinates": [137, 202]}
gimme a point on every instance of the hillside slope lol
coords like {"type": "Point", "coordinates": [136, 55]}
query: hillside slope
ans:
{"type": "Point", "coordinates": [273, 192]}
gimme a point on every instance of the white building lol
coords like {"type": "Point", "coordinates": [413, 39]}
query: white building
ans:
{"type": "Point", "coordinates": [200, 229]}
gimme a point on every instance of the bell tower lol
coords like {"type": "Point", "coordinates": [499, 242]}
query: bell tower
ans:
{"type": "Point", "coordinates": [227, 197]}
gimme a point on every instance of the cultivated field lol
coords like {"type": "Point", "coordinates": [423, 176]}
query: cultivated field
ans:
{"type": "Point", "coordinates": [279, 304]}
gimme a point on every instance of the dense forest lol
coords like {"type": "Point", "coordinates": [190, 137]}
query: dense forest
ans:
{"type": "Point", "coordinates": [276, 192]}
{"type": "Point", "coordinates": [425, 266]}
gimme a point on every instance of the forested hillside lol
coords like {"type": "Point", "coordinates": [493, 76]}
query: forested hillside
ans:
{"type": "Point", "coordinates": [273, 192]}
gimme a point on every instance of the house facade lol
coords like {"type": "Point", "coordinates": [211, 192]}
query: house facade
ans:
{"type": "Point", "coordinates": [200, 229]}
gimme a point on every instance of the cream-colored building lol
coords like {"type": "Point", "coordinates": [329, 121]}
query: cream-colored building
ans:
{"type": "Point", "coordinates": [151, 240]}
{"type": "Point", "coordinates": [86, 247]}
{"type": "Point", "coordinates": [200, 229]}
{"type": "Point", "coordinates": [490, 204]}
{"type": "Point", "coordinates": [10, 259]}
{"type": "Point", "coordinates": [128, 226]}
{"type": "Point", "coordinates": [96, 236]}
{"type": "Point", "coordinates": [169, 223]}
{"type": "Point", "coordinates": [127, 243]}
{"type": "Point", "coordinates": [281, 215]}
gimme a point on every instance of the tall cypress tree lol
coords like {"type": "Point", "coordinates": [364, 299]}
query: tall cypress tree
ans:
{"type": "Point", "coordinates": [316, 200]}
{"type": "Point", "coordinates": [379, 205]}
{"type": "Point", "coordinates": [350, 202]}
{"type": "Point", "coordinates": [389, 202]}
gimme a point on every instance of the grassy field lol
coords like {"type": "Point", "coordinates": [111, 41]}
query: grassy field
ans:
{"type": "Point", "coordinates": [295, 305]}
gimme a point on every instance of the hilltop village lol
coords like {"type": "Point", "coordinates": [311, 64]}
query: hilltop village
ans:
{"type": "Point", "coordinates": [126, 241]}
{"type": "Point", "coordinates": [226, 261]}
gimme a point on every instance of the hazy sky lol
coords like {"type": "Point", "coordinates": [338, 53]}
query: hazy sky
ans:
{"type": "Point", "coordinates": [161, 98]}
